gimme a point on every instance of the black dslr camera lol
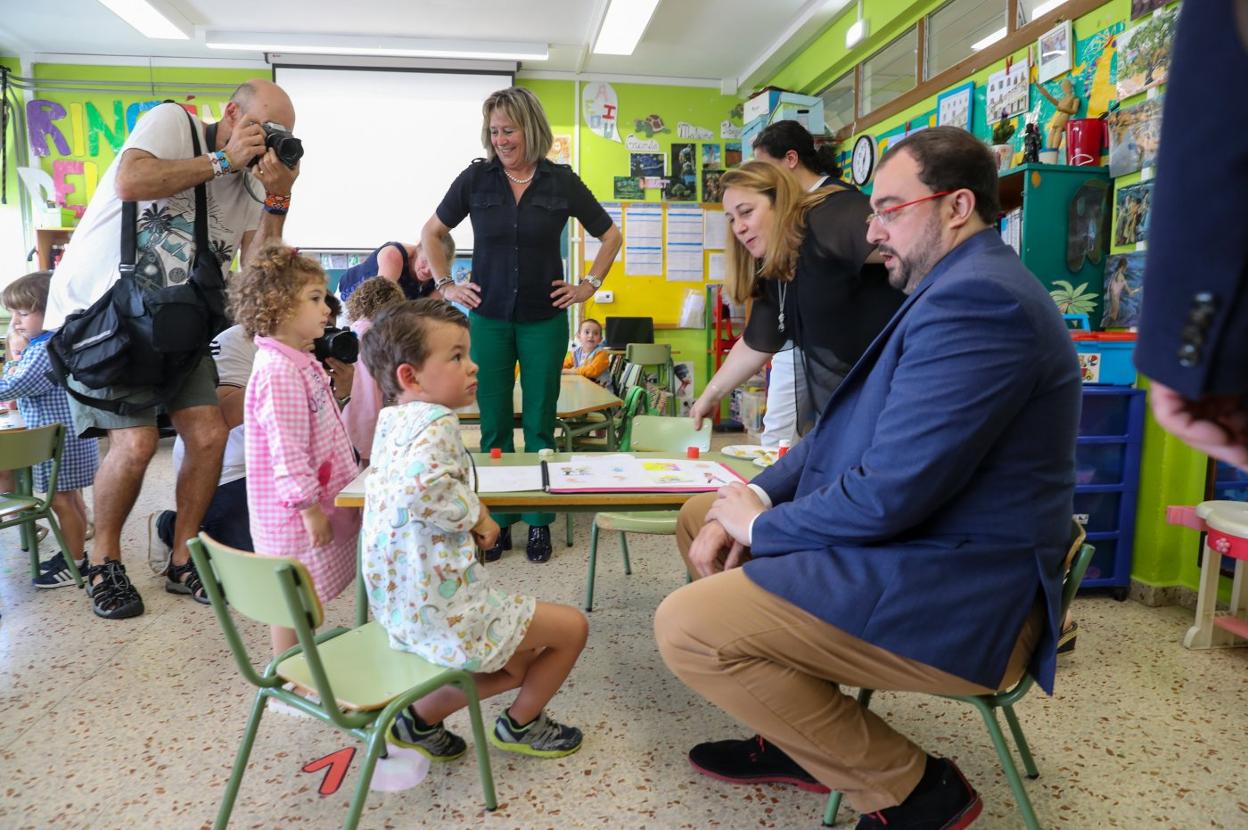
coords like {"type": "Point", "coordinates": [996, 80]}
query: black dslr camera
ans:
{"type": "Point", "coordinates": [340, 344]}
{"type": "Point", "coordinates": [280, 140]}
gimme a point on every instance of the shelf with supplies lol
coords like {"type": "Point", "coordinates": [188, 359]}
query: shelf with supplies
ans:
{"type": "Point", "coordinates": [1107, 481]}
{"type": "Point", "coordinates": [1057, 218]}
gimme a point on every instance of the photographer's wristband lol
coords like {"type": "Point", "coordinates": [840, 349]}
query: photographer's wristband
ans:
{"type": "Point", "coordinates": [442, 283]}
{"type": "Point", "coordinates": [276, 204]}
{"type": "Point", "coordinates": [220, 164]}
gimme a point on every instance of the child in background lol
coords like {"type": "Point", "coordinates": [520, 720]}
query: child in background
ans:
{"type": "Point", "coordinates": [360, 414]}
{"type": "Point", "coordinates": [41, 402]}
{"type": "Point", "coordinates": [589, 357]}
{"type": "Point", "coordinates": [298, 454]}
{"type": "Point", "coordinates": [422, 523]}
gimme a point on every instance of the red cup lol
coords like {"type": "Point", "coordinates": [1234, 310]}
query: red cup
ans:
{"type": "Point", "coordinates": [496, 453]}
{"type": "Point", "coordinates": [782, 448]}
{"type": "Point", "coordinates": [1084, 139]}
{"type": "Point", "coordinates": [693, 452]}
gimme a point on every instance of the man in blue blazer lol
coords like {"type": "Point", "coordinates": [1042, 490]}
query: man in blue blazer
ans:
{"type": "Point", "coordinates": [915, 540]}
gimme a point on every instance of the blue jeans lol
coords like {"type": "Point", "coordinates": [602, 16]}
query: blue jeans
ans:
{"type": "Point", "coordinates": [226, 520]}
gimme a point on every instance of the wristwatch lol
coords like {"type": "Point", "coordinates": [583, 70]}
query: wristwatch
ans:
{"type": "Point", "coordinates": [596, 282]}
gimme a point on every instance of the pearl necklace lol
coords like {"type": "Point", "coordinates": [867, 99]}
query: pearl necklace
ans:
{"type": "Point", "coordinates": [520, 181]}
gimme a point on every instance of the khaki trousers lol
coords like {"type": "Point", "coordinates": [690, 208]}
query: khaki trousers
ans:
{"type": "Point", "coordinates": [778, 670]}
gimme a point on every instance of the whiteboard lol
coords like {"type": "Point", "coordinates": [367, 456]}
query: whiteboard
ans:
{"type": "Point", "coordinates": [381, 147]}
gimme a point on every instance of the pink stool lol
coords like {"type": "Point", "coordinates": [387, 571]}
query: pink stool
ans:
{"type": "Point", "coordinates": [1225, 524]}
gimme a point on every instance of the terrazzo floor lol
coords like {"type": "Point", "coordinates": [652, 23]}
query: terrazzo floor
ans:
{"type": "Point", "coordinates": [134, 724]}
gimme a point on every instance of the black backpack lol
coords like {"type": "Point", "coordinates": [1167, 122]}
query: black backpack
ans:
{"type": "Point", "coordinates": [140, 336]}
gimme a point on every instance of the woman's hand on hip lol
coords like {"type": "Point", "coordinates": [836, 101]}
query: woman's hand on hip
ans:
{"type": "Point", "coordinates": [565, 293]}
{"type": "Point", "coordinates": [464, 293]}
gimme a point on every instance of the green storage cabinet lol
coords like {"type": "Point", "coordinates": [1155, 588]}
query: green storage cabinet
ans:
{"type": "Point", "coordinates": [1065, 222]}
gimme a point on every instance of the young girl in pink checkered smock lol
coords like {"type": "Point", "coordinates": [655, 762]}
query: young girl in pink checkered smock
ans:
{"type": "Point", "coordinates": [298, 453]}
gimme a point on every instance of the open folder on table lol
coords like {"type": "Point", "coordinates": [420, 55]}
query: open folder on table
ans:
{"type": "Point", "coordinates": [618, 473]}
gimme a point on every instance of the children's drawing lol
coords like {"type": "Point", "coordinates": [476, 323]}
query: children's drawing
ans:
{"type": "Point", "coordinates": [1144, 54]}
{"type": "Point", "coordinates": [1134, 205]}
{"type": "Point", "coordinates": [1134, 136]}
{"type": "Point", "coordinates": [1124, 276]}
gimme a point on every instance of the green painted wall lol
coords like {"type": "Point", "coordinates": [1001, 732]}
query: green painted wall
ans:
{"type": "Point", "coordinates": [12, 244]}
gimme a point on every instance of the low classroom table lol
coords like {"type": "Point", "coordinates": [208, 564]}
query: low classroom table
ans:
{"type": "Point", "coordinates": [539, 501]}
{"type": "Point", "coordinates": [578, 396]}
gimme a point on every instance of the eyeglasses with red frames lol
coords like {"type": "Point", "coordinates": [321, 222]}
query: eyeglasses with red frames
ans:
{"type": "Point", "coordinates": [888, 214]}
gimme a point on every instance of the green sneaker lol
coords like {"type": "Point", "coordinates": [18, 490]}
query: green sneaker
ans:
{"type": "Point", "coordinates": [543, 738]}
{"type": "Point", "coordinates": [437, 743]}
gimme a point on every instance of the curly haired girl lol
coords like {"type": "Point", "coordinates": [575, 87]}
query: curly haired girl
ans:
{"type": "Point", "coordinates": [298, 453]}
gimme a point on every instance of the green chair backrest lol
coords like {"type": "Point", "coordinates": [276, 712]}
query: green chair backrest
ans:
{"type": "Point", "coordinates": [21, 448]}
{"type": "Point", "coordinates": [1078, 560]}
{"type": "Point", "coordinates": [661, 434]}
{"type": "Point", "coordinates": [648, 354]}
{"type": "Point", "coordinates": [257, 586]}
{"type": "Point", "coordinates": [635, 403]}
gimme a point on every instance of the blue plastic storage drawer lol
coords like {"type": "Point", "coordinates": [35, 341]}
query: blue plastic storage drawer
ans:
{"type": "Point", "coordinates": [1103, 561]}
{"type": "Point", "coordinates": [1100, 463]}
{"type": "Point", "coordinates": [1105, 415]}
{"type": "Point", "coordinates": [1098, 512]}
{"type": "Point", "coordinates": [1105, 356]}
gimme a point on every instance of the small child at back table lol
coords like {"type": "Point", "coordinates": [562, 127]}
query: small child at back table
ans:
{"type": "Point", "coordinates": [41, 402]}
{"type": "Point", "coordinates": [360, 414]}
{"type": "Point", "coordinates": [589, 357]}
{"type": "Point", "coordinates": [422, 523]}
{"type": "Point", "coordinates": [298, 454]}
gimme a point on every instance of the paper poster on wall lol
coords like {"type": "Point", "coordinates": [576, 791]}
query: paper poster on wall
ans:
{"type": "Point", "coordinates": [727, 129]}
{"type": "Point", "coordinates": [684, 184]}
{"type": "Point", "coordinates": [1008, 92]}
{"type": "Point", "coordinates": [646, 164]}
{"type": "Point", "coordinates": [643, 240]}
{"type": "Point", "coordinates": [1055, 48]}
{"type": "Point", "coordinates": [715, 230]}
{"type": "Point", "coordinates": [711, 190]}
{"type": "Point", "coordinates": [1139, 8]}
{"type": "Point", "coordinates": [1134, 206]}
{"type": "Point", "coordinates": [600, 108]}
{"type": "Point", "coordinates": [712, 155]}
{"type": "Point", "coordinates": [1134, 135]}
{"type": "Point", "coordinates": [629, 187]}
{"type": "Point", "coordinates": [716, 266]}
{"type": "Point", "coordinates": [1124, 277]}
{"type": "Point", "coordinates": [732, 153]}
{"type": "Point", "coordinates": [685, 130]}
{"type": "Point", "coordinates": [561, 150]}
{"type": "Point", "coordinates": [1144, 54]}
{"type": "Point", "coordinates": [642, 145]}
{"type": "Point", "coordinates": [954, 107]}
{"type": "Point", "coordinates": [654, 183]}
{"type": "Point", "coordinates": [684, 244]}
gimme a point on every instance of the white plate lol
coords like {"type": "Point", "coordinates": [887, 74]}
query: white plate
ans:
{"type": "Point", "coordinates": [746, 451]}
{"type": "Point", "coordinates": [766, 458]}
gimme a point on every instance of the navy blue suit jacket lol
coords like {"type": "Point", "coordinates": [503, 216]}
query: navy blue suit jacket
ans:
{"type": "Point", "coordinates": [931, 506]}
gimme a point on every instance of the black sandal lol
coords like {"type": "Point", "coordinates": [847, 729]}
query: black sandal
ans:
{"type": "Point", "coordinates": [192, 585]}
{"type": "Point", "coordinates": [113, 596]}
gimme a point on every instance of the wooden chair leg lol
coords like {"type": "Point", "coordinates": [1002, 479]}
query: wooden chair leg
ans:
{"type": "Point", "coordinates": [593, 563]}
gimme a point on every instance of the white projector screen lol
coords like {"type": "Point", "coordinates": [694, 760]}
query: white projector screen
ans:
{"type": "Point", "coordinates": [381, 147]}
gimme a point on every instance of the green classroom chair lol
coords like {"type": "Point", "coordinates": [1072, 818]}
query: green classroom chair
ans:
{"type": "Point", "coordinates": [362, 682]}
{"type": "Point", "coordinates": [658, 356]}
{"type": "Point", "coordinates": [648, 433]}
{"type": "Point", "coordinates": [1077, 561]}
{"type": "Point", "coordinates": [21, 449]}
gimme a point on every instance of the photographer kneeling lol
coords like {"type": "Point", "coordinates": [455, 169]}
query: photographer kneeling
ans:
{"type": "Point", "coordinates": [165, 167]}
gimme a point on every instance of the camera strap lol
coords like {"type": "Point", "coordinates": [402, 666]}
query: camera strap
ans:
{"type": "Point", "coordinates": [130, 216]}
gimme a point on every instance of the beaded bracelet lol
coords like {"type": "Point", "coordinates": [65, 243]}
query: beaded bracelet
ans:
{"type": "Point", "coordinates": [220, 163]}
{"type": "Point", "coordinates": [276, 204]}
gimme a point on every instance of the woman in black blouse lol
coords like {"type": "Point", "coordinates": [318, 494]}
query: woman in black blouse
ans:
{"type": "Point", "coordinates": [519, 203]}
{"type": "Point", "coordinates": [804, 261]}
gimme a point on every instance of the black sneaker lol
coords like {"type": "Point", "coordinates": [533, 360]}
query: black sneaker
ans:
{"type": "Point", "coordinates": [943, 800]}
{"type": "Point", "coordinates": [751, 761]}
{"type": "Point", "coordinates": [437, 743]}
{"type": "Point", "coordinates": [504, 543]}
{"type": "Point", "coordinates": [538, 548]}
{"type": "Point", "coordinates": [54, 573]}
{"type": "Point", "coordinates": [112, 597]}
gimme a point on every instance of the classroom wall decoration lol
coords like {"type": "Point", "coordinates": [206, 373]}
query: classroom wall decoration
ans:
{"type": "Point", "coordinates": [683, 186]}
{"type": "Point", "coordinates": [561, 150]}
{"type": "Point", "coordinates": [1054, 51]}
{"type": "Point", "coordinates": [1139, 8]}
{"type": "Point", "coordinates": [601, 108]}
{"type": "Point", "coordinates": [1134, 134]}
{"type": "Point", "coordinates": [712, 155]}
{"type": "Point", "coordinates": [1096, 68]}
{"type": "Point", "coordinates": [954, 107]}
{"type": "Point", "coordinates": [651, 125]}
{"type": "Point", "coordinates": [646, 164]}
{"type": "Point", "coordinates": [629, 187]}
{"type": "Point", "coordinates": [1008, 91]}
{"type": "Point", "coordinates": [1144, 54]}
{"type": "Point", "coordinates": [1134, 206]}
{"type": "Point", "coordinates": [711, 189]}
{"type": "Point", "coordinates": [732, 154]}
{"type": "Point", "coordinates": [1124, 277]}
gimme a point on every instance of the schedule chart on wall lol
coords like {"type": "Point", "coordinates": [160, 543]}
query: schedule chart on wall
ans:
{"type": "Point", "coordinates": [684, 244]}
{"type": "Point", "coordinates": [643, 240]}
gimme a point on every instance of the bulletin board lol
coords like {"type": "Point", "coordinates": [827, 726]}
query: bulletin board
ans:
{"type": "Point", "coordinates": [654, 296]}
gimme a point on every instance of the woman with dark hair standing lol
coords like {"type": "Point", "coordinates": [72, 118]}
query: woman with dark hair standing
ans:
{"type": "Point", "coordinates": [519, 203]}
{"type": "Point", "coordinates": [788, 145]}
{"type": "Point", "coordinates": [804, 261]}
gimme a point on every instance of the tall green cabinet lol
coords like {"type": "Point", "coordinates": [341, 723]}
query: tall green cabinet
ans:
{"type": "Point", "coordinates": [1065, 224]}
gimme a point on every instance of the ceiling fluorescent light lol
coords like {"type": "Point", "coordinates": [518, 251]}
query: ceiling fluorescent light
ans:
{"type": "Point", "coordinates": [988, 41]}
{"type": "Point", "coordinates": [623, 26]}
{"type": "Point", "coordinates": [403, 47]}
{"type": "Point", "coordinates": [857, 31]}
{"type": "Point", "coordinates": [1043, 8]}
{"type": "Point", "coordinates": [151, 19]}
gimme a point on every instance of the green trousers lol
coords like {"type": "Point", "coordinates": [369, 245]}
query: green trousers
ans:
{"type": "Point", "coordinates": [497, 345]}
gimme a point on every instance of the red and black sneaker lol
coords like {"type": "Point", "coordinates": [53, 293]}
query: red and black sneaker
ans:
{"type": "Point", "coordinates": [751, 761]}
{"type": "Point", "coordinates": [943, 800]}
